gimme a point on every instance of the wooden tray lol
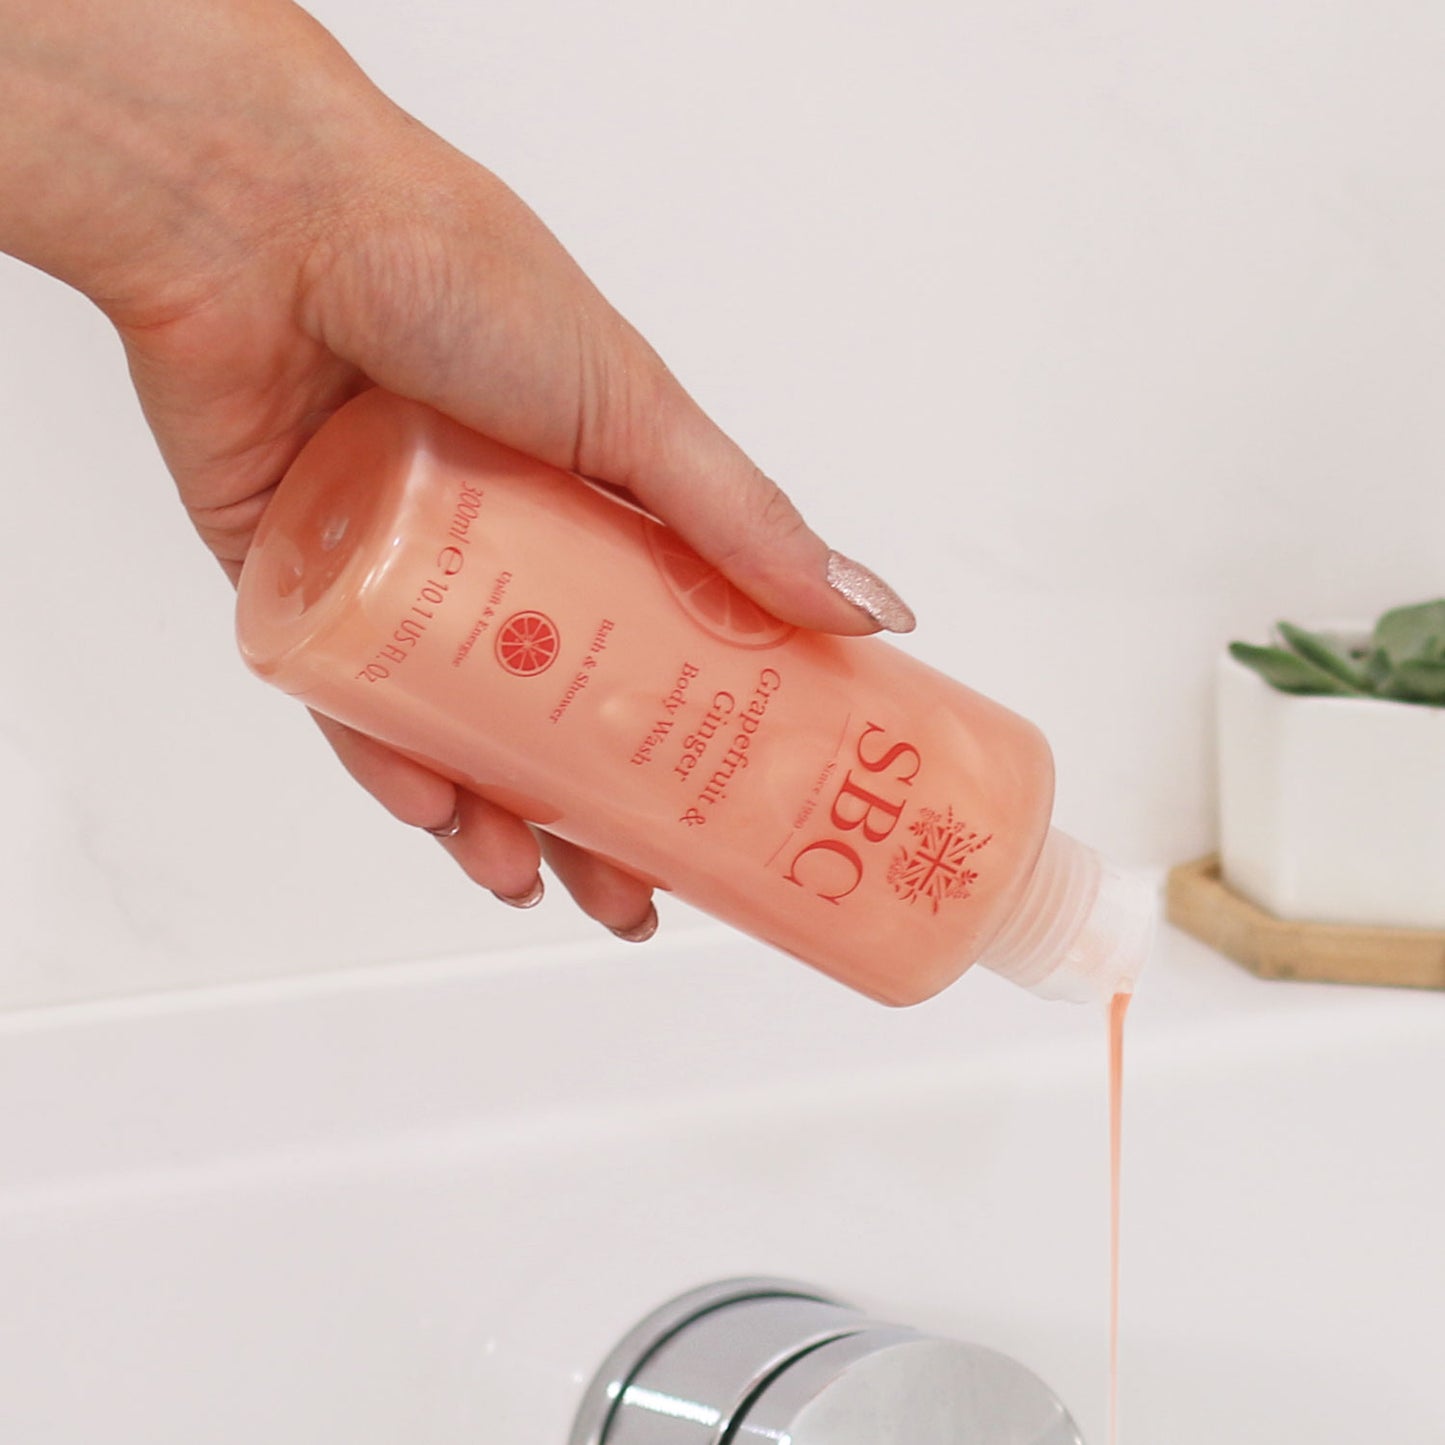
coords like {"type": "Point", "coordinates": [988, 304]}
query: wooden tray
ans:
{"type": "Point", "coordinates": [1198, 901]}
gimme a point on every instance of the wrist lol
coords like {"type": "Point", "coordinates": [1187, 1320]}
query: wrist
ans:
{"type": "Point", "coordinates": [148, 150]}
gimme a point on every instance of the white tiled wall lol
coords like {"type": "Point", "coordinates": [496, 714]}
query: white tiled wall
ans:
{"type": "Point", "coordinates": [1106, 331]}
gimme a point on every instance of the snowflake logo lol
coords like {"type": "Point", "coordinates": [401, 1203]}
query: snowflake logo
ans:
{"type": "Point", "coordinates": [937, 866]}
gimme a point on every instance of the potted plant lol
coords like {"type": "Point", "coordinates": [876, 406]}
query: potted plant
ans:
{"type": "Point", "coordinates": [1332, 772]}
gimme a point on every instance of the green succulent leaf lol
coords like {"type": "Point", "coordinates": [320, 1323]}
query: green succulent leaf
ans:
{"type": "Point", "coordinates": [1290, 672]}
{"type": "Point", "coordinates": [1418, 682]}
{"type": "Point", "coordinates": [1324, 652]}
{"type": "Point", "coordinates": [1377, 668]}
{"type": "Point", "coordinates": [1413, 634]}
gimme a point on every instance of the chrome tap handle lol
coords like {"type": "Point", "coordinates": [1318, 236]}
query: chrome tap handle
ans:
{"type": "Point", "coordinates": [769, 1362]}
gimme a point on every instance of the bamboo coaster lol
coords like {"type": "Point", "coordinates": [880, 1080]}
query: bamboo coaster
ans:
{"type": "Point", "coordinates": [1198, 901]}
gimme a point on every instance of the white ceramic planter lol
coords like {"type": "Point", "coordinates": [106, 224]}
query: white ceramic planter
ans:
{"type": "Point", "coordinates": [1331, 809]}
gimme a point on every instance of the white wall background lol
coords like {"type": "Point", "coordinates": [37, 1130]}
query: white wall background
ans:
{"type": "Point", "coordinates": [1106, 330]}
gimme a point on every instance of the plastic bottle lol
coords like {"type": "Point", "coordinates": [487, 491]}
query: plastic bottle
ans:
{"type": "Point", "coordinates": [530, 637]}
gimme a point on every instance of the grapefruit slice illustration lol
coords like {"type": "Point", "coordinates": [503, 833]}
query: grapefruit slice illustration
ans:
{"type": "Point", "coordinates": [719, 608]}
{"type": "Point", "coordinates": [527, 643]}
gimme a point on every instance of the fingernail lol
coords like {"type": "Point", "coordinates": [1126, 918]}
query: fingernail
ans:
{"type": "Point", "coordinates": [639, 932]}
{"type": "Point", "coordinates": [530, 899]}
{"type": "Point", "coordinates": [869, 593]}
{"type": "Point", "coordinates": [450, 828]}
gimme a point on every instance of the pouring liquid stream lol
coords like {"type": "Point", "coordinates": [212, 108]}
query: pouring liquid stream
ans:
{"type": "Point", "coordinates": [1118, 1007]}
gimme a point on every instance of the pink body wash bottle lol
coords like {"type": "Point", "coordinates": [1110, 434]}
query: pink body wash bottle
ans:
{"type": "Point", "coordinates": [546, 646]}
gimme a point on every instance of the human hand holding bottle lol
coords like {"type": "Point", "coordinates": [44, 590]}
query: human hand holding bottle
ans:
{"type": "Point", "coordinates": [270, 235]}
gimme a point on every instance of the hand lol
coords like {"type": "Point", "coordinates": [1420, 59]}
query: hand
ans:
{"type": "Point", "coordinates": [270, 235]}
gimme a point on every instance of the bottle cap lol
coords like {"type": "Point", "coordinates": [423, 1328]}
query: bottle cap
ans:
{"type": "Point", "coordinates": [1083, 929]}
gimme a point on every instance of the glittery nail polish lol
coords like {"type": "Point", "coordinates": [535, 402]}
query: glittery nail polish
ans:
{"type": "Point", "coordinates": [530, 899]}
{"type": "Point", "coordinates": [869, 593]}
{"type": "Point", "coordinates": [639, 932]}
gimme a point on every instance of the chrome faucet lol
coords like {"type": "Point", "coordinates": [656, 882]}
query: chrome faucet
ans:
{"type": "Point", "coordinates": [769, 1362]}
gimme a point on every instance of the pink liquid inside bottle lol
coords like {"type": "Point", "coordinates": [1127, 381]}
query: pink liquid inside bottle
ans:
{"type": "Point", "coordinates": [544, 645]}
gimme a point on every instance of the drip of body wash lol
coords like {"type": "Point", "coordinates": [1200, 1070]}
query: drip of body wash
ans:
{"type": "Point", "coordinates": [1118, 1007]}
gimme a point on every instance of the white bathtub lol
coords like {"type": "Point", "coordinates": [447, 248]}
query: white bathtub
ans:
{"type": "Point", "coordinates": [419, 1205]}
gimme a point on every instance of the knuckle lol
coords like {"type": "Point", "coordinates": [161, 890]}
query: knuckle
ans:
{"type": "Point", "coordinates": [768, 519]}
{"type": "Point", "coordinates": [776, 514]}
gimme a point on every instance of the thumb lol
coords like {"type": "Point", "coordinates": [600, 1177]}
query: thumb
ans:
{"type": "Point", "coordinates": [452, 292]}
{"type": "Point", "coordinates": [643, 432]}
